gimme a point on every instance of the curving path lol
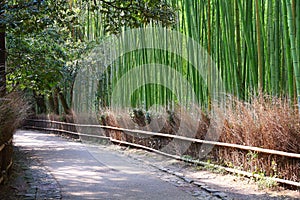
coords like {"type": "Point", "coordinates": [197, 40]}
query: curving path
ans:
{"type": "Point", "coordinates": [87, 172]}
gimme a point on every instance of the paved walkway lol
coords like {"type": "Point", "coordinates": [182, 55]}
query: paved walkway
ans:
{"type": "Point", "coordinates": [88, 172]}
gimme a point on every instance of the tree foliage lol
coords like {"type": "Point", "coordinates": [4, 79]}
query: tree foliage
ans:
{"type": "Point", "coordinates": [135, 13]}
{"type": "Point", "coordinates": [44, 38]}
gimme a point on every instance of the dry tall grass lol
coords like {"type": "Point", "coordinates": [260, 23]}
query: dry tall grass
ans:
{"type": "Point", "coordinates": [13, 109]}
{"type": "Point", "coordinates": [266, 122]}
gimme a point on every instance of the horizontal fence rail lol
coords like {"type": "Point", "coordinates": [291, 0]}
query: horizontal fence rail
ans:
{"type": "Point", "coordinates": [237, 146]}
{"type": "Point", "coordinates": [193, 140]}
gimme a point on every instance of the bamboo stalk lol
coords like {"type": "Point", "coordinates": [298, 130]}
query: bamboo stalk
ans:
{"type": "Point", "coordinates": [291, 25]}
{"type": "Point", "coordinates": [259, 48]}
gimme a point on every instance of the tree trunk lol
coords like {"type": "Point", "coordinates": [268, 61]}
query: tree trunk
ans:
{"type": "Point", "coordinates": [2, 52]}
{"type": "Point", "coordinates": [55, 102]}
{"type": "Point", "coordinates": [40, 101]}
{"type": "Point", "coordinates": [51, 103]}
{"type": "Point", "coordinates": [64, 103]}
{"type": "Point", "coordinates": [72, 92]}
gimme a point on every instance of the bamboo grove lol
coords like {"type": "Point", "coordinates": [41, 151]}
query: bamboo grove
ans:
{"type": "Point", "coordinates": [255, 45]}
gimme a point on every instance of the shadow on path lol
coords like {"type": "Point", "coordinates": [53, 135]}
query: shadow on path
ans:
{"type": "Point", "coordinates": [103, 175]}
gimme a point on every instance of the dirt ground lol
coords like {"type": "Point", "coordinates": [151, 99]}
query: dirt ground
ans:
{"type": "Point", "coordinates": [16, 186]}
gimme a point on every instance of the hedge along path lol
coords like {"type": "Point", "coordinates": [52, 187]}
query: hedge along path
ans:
{"type": "Point", "coordinates": [235, 171]}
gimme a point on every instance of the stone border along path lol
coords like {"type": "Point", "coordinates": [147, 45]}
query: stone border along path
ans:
{"type": "Point", "coordinates": [86, 171]}
{"type": "Point", "coordinates": [41, 183]}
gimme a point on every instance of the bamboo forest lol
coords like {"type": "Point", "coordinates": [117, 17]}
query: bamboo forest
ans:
{"type": "Point", "coordinates": [254, 44]}
{"type": "Point", "coordinates": [194, 76]}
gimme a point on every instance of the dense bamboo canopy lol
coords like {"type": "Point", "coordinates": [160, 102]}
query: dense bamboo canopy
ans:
{"type": "Point", "coordinates": [254, 44]}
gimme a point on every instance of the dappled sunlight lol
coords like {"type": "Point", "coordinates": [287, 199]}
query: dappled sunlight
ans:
{"type": "Point", "coordinates": [118, 179]}
{"type": "Point", "coordinates": [90, 172]}
{"type": "Point", "coordinates": [95, 172]}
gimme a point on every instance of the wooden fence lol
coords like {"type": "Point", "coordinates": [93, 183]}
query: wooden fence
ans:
{"type": "Point", "coordinates": [71, 130]}
{"type": "Point", "coordinates": [5, 158]}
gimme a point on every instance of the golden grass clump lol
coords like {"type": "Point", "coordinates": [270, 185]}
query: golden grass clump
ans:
{"type": "Point", "coordinates": [13, 110]}
{"type": "Point", "coordinates": [268, 122]}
